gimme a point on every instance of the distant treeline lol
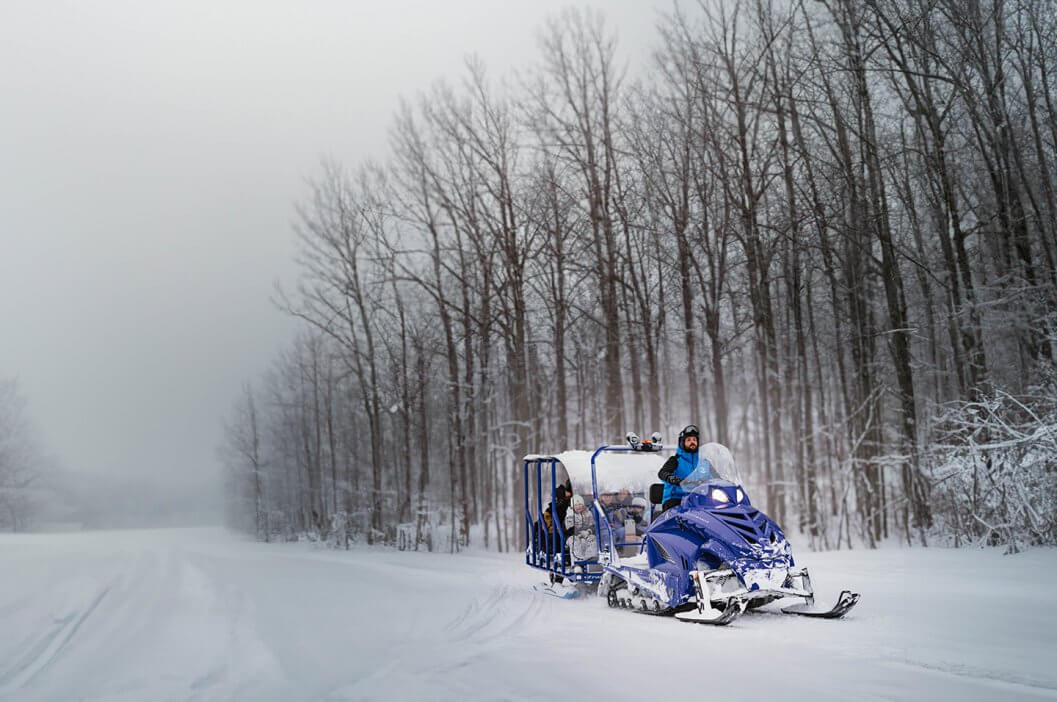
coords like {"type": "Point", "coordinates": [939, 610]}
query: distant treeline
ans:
{"type": "Point", "coordinates": [826, 232]}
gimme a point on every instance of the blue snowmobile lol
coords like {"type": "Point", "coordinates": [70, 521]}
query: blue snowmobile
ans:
{"type": "Point", "coordinates": [707, 560]}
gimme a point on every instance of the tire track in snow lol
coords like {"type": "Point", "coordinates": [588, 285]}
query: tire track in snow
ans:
{"type": "Point", "coordinates": [428, 662]}
{"type": "Point", "coordinates": [477, 614]}
{"type": "Point", "coordinates": [232, 658]}
{"type": "Point", "coordinates": [535, 607]}
{"type": "Point", "coordinates": [983, 677]}
{"type": "Point", "coordinates": [482, 621]}
{"type": "Point", "coordinates": [47, 648]}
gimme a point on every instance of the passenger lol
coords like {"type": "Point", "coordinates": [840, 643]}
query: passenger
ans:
{"type": "Point", "coordinates": [635, 526]}
{"type": "Point", "coordinates": [547, 541]}
{"type": "Point", "coordinates": [609, 502]}
{"type": "Point", "coordinates": [615, 514]}
{"type": "Point", "coordinates": [562, 493]}
{"type": "Point", "coordinates": [580, 523]}
{"type": "Point", "coordinates": [612, 507]}
{"type": "Point", "coordinates": [681, 464]}
{"type": "Point", "coordinates": [639, 512]}
{"type": "Point", "coordinates": [550, 546]}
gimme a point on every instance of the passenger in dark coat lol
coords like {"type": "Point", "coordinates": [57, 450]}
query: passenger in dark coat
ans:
{"type": "Point", "coordinates": [562, 494]}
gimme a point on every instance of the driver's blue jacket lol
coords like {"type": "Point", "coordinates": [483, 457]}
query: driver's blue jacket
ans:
{"type": "Point", "coordinates": [682, 464]}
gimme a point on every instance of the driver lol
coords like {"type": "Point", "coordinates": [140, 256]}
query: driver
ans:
{"type": "Point", "coordinates": [681, 464]}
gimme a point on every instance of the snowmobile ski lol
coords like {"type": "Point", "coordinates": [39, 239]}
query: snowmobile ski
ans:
{"type": "Point", "coordinates": [845, 602]}
{"type": "Point", "coordinates": [732, 610]}
{"type": "Point", "coordinates": [565, 592]}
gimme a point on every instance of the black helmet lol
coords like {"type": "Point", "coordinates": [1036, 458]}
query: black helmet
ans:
{"type": "Point", "coordinates": [688, 430]}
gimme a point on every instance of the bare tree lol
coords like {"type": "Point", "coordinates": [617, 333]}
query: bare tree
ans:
{"type": "Point", "coordinates": [242, 453]}
{"type": "Point", "coordinates": [20, 459]}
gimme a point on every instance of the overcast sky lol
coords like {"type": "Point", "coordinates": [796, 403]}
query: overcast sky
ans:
{"type": "Point", "coordinates": [151, 154]}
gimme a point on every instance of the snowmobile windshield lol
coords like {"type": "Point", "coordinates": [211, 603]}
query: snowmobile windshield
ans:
{"type": "Point", "coordinates": [720, 466]}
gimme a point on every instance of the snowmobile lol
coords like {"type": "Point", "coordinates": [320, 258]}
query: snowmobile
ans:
{"type": "Point", "coordinates": [707, 560]}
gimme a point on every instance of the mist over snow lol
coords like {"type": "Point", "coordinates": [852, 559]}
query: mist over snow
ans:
{"type": "Point", "coordinates": [152, 158]}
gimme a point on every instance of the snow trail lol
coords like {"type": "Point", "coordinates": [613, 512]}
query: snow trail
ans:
{"type": "Point", "coordinates": [200, 615]}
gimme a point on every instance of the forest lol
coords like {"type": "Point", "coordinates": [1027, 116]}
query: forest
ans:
{"type": "Point", "coordinates": [825, 232]}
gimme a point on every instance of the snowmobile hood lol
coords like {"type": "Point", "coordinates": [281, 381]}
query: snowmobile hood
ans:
{"type": "Point", "coordinates": [736, 534]}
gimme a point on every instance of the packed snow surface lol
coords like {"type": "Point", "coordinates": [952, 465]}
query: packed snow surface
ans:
{"type": "Point", "coordinates": [203, 615]}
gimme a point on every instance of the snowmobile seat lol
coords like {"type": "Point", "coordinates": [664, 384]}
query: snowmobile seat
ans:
{"type": "Point", "coordinates": [657, 493]}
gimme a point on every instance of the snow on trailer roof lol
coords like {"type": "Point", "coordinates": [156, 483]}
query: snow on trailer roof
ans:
{"type": "Point", "coordinates": [616, 470]}
{"type": "Point", "coordinates": [634, 470]}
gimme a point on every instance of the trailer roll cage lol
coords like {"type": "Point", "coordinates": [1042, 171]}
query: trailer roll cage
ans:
{"type": "Point", "coordinates": [546, 549]}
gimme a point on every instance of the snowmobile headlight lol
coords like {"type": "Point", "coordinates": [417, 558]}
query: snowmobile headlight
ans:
{"type": "Point", "coordinates": [719, 496]}
{"type": "Point", "coordinates": [740, 495]}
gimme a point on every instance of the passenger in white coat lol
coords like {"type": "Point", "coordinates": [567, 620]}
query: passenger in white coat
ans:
{"type": "Point", "coordinates": [580, 524]}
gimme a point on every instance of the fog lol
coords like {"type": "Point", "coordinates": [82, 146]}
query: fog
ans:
{"type": "Point", "coordinates": [151, 155]}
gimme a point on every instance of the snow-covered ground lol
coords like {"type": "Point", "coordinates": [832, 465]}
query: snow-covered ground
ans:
{"type": "Point", "coordinates": [203, 615]}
